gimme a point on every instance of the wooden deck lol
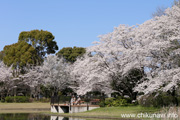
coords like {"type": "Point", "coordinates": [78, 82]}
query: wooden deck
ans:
{"type": "Point", "coordinates": [82, 105]}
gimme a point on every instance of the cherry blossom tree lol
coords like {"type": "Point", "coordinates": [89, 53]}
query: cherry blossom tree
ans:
{"type": "Point", "coordinates": [54, 73]}
{"type": "Point", "coordinates": [6, 72]}
{"type": "Point", "coordinates": [96, 71]}
{"type": "Point", "coordinates": [161, 62]}
{"type": "Point", "coordinates": [6, 79]}
{"type": "Point", "coordinates": [89, 76]}
{"type": "Point", "coordinates": [33, 78]}
{"type": "Point", "coordinates": [144, 47]}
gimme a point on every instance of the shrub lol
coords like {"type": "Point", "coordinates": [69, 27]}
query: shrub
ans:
{"type": "Point", "coordinates": [18, 99]}
{"type": "Point", "coordinates": [163, 99]}
{"type": "Point", "coordinates": [157, 100]}
{"type": "Point", "coordinates": [122, 102]}
{"type": "Point", "coordinates": [113, 102]}
{"type": "Point", "coordinates": [2, 100]}
{"type": "Point", "coordinates": [9, 99]}
{"type": "Point", "coordinates": [102, 104]}
{"type": "Point", "coordinates": [21, 99]}
{"type": "Point", "coordinates": [109, 102]}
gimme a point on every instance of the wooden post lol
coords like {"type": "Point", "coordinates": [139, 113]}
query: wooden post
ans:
{"type": "Point", "coordinates": [70, 106]}
{"type": "Point", "coordinates": [53, 99]}
{"type": "Point", "coordinates": [87, 106]}
{"type": "Point", "coordinates": [58, 99]}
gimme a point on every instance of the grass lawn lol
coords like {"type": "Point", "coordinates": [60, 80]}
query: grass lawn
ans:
{"type": "Point", "coordinates": [24, 107]}
{"type": "Point", "coordinates": [115, 112]}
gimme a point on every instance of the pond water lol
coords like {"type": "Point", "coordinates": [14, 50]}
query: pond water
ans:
{"type": "Point", "coordinates": [34, 117]}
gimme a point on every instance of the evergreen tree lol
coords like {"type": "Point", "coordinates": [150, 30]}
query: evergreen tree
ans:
{"type": "Point", "coordinates": [42, 41]}
{"type": "Point", "coordinates": [70, 54]}
{"type": "Point", "coordinates": [19, 55]}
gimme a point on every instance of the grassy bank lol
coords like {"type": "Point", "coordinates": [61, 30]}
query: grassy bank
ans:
{"type": "Point", "coordinates": [113, 112]}
{"type": "Point", "coordinates": [24, 107]}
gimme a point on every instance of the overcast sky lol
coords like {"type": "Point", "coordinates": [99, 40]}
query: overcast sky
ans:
{"type": "Point", "coordinates": [72, 22]}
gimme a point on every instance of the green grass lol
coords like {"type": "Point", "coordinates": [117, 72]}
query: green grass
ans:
{"type": "Point", "coordinates": [114, 112]}
{"type": "Point", "coordinates": [24, 107]}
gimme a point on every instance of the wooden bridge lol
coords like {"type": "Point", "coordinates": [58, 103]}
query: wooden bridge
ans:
{"type": "Point", "coordinates": [67, 107]}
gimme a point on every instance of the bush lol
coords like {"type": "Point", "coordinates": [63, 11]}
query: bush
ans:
{"type": "Point", "coordinates": [21, 99]}
{"type": "Point", "coordinates": [122, 102]}
{"type": "Point", "coordinates": [113, 102]}
{"type": "Point", "coordinates": [157, 100]}
{"type": "Point", "coordinates": [18, 99]}
{"type": "Point", "coordinates": [163, 100]}
{"type": "Point", "coordinates": [2, 100]}
{"type": "Point", "coordinates": [102, 104]}
{"type": "Point", "coordinates": [109, 102]}
{"type": "Point", "coordinates": [9, 99]}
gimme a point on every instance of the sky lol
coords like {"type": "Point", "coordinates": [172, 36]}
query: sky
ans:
{"type": "Point", "coordinates": [72, 22]}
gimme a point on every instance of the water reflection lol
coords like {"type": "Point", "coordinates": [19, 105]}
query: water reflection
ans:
{"type": "Point", "coordinates": [33, 117]}
{"type": "Point", "coordinates": [21, 116]}
{"type": "Point", "coordinates": [64, 118]}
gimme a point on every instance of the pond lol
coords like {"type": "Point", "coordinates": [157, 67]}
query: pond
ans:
{"type": "Point", "coordinates": [30, 116]}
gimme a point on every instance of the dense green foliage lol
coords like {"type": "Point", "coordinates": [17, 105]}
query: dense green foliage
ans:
{"type": "Point", "coordinates": [46, 91]}
{"type": "Point", "coordinates": [125, 84]}
{"type": "Point", "coordinates": [9, 99]}
{"type": "Point", "coordinates": [1, 55]}
{"type": "Point", "coordinates": [42, 41]}
{"type": "Point", "coordinates": [18, 99]}
{"type": "Point", "coordinates": [115, 102]}
{"type": "Point", "coordinates": [20, 55]}
{"type": "Point", "coordinates": [160, 99]}
{"type": "Point", "coordinates": [70, 54]}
